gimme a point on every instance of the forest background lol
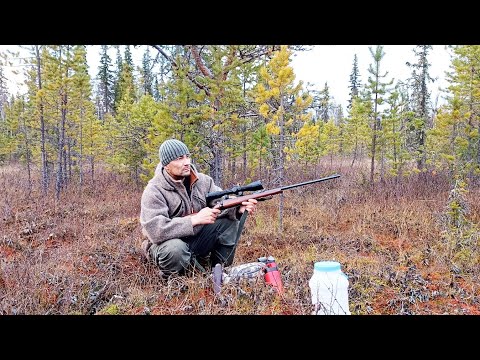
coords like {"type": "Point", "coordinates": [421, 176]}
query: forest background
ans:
{"type": "Point", "coordinates": [75, 158]}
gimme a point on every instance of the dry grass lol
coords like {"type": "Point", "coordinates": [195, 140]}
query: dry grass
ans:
{"type": "Point", "coordinates": [81, 255]}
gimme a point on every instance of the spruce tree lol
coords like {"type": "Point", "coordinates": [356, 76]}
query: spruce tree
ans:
{"type": "Point", "coordinates": [147, 77]}
{"type": "Point", "coordinates": [117, 86]}
{"type": "Point", "coordinates": [324, 106]}
{"type": "Point", "coordinates": [355, 82]}
{"type": "Point", "coordinates": [105, 83]}
{"type": "Point", "coordinates": [421, 102]}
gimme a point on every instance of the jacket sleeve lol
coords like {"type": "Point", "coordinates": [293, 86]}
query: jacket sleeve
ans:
{"type": "Point", "coordinates": [156, 222]}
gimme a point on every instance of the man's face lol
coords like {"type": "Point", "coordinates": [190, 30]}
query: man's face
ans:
{"type": "Point", "coordinates": [179, 168]}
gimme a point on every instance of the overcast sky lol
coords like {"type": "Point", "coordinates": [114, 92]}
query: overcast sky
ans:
{"type": "Point", "coordinates": [325, 63]}
{"type": "Point", "coordinates": [334, 63]}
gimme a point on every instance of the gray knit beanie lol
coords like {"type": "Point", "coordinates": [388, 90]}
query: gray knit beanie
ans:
{"type": "Point", "coordinates": [172, 149]}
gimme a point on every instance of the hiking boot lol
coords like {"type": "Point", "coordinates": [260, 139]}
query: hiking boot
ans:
{"type": "Point", "coordinates": [195, 264]}
{"type": "Point", "coordinates": [204, 261]}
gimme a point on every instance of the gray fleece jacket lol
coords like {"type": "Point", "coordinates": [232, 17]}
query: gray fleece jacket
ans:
{"type": "Point", "coordinates": [165, 204]}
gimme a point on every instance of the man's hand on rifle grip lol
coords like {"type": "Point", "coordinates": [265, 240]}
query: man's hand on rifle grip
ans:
{"type": "Point", "coordinates": [205, 216]}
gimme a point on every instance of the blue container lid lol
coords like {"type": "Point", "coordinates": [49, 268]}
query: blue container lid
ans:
{"type": "Point", "coordinates": [327, 266]}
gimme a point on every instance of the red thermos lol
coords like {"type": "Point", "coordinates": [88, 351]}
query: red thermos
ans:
{"type": "Point", "coordinates": [272, 275]}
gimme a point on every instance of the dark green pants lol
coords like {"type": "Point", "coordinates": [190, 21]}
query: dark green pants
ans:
{"type": "Point", "coordinates": [218, 240]}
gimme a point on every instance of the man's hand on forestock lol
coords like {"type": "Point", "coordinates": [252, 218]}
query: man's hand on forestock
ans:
{"type": "Point", "coordinates": [250, 205]}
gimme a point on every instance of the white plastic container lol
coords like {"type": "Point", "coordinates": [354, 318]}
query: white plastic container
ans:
{"type": "Point", "coordinates": [329, 289]}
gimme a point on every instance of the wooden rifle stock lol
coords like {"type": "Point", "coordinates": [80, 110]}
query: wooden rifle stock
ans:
{"type": "Point", "coordinates": [237, 201]}
{"type": "Point", "coordinates": [263, 195]}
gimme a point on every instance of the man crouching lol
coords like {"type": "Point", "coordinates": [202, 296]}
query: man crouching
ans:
{"type": "Point", "coordinates": [178, 224]}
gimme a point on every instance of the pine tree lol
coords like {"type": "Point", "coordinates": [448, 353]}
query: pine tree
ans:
{"type": "Point", "coordinates": [331, 138]}
{"type": "Point", "coordinates": [214, 74]}
{"type": "Point", "coordinates": [5, 135]}
{"type": "Point", "coordinates": [5, 60]}
{"type": "Point", "coordinates": [356, 130]}
{"type": "Point", "coordinates": [57, 64]}
{"type": "Point", "coordinates": [280, 103]}
{"type": "Point", "coordinates": [465, 87]}
{"type": "Point", "coordinates": [3, 93]}
{"type": "Point", "coordinates": [9, 130]}
{"type": "Point", "coordinates": [130, 134]}
{"type": "Point", "coordinates": [308, 144]}
{"type": "Point", "coordinates": [394, 132]}
{"type": "Point", "coordinates": [377, 90]}
{"type": "Point", "coordinates": [249, 124]}
{"type": "Point", "coordinates": [455, 137]}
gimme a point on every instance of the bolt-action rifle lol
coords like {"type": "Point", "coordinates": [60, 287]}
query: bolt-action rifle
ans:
{"type": "Point", "coordinates": [228, 202]}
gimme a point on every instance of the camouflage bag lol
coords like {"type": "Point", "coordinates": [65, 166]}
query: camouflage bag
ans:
{"type": "Point", "coordinates": [249, 271]}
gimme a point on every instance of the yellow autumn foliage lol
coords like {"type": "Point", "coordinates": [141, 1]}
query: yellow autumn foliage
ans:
{"type": "Point", "coordinates": [272, 128]}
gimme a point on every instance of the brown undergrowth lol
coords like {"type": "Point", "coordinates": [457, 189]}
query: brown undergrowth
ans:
{"type": "Point", "coordinates": [81, 254]}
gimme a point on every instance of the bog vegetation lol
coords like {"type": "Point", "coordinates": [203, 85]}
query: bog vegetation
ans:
{"type": "Point", "coordinates": [402, 219]}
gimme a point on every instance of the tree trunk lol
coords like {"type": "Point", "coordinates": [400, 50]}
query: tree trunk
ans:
{"type": "Point", "coordinates": [382, 162]}
{"type": "Point", "coordinates": [281, 163]}
{"type": "Point", "coordinates": [92, 169]}
{"type": "Point", "coordinates": [244, 155]}
{"type": "Point", "coordinates": [80, 160]}
{"type": "Point", "coordinates": [355, 152]}
{"type": "Point", "coordinates": [69, 160]}
{"type": "Point", "coordinates": [374, 139]}
{"type": "Point", "coordinates": [27, 150]}
{"type": "Point", "coordinates": [61, 151]}
{"type": "Point", "coordinates": [45, 175]}
{"type": "Point", "coordinates": [218, 152]}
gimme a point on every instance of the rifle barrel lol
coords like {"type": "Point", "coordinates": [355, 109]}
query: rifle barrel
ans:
{"type": "Point", "coordinates": [309, 182]}
{"type": "Point", "coordinates": [228, 203]}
